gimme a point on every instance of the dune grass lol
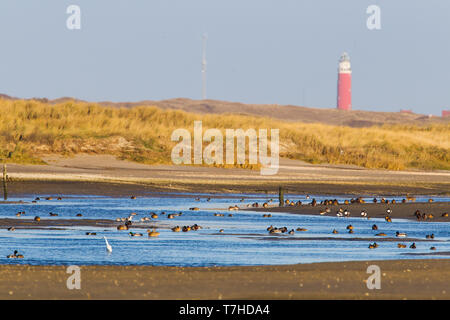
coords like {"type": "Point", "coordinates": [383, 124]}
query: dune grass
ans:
{"type": "Point", "coordinates": [31, 129]}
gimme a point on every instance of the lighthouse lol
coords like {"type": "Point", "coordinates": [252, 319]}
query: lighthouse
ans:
{"type": "Point", "coordinates": [344, 98]}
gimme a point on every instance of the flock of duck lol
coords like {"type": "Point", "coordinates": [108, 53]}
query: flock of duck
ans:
{"type": "Point", "coordinates": [127, 222]}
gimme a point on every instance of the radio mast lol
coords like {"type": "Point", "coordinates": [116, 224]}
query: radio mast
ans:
{"type": "Point", "coordinates": [204, 39]}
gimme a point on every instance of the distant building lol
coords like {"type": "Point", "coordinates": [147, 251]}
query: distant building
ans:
{"type": "Point", "coordinates": [344, 97]}
{"type": "Point", "coordinates": [445, 113]}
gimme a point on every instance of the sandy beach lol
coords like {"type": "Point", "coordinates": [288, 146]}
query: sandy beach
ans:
{"type": "Point", "coordinates": [419, 279]}
{"type": "Point", "coordinates": [103, 174]}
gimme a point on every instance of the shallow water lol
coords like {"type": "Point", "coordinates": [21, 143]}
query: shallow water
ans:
{"type": "Point", "coordinates": [244, 242]}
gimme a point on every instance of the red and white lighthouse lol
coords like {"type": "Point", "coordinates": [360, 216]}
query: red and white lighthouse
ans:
{"type": "Point", "coordinates": [344, 98]}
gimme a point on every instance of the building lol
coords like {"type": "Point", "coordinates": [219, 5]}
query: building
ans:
{"type": "Point", "coordinates": [445, 113]}
{"type": "Point", "coordinates": [344, 96]}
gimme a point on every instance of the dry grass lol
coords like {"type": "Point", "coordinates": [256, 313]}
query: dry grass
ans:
{"type": "Point", "coordinates": [30, 129]}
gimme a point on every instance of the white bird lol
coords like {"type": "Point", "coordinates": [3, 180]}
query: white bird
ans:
{"type": "Point", "coordinates": [108, 246]}
{"type": "Point", "coordinates": [389, 211]}
{"type": "Point", "coordinates": [363, 213]}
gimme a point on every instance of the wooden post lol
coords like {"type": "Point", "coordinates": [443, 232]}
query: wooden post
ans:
{"type": "Point", "coordinates": [5, 188]}
{"type": "Point", "coordinates": [281, 196]}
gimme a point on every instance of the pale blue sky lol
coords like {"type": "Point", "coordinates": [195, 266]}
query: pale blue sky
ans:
{"type": "Point", "coordinates": [259, 51]}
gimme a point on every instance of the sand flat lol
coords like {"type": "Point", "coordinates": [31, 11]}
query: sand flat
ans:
{"type": "Point", "coordinates": [295, 176]}
{"type": "Point", "coordinates": [401, 279]}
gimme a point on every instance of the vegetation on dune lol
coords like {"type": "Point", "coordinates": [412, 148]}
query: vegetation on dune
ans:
{"type": "Point", "coordinates": [31, 129]}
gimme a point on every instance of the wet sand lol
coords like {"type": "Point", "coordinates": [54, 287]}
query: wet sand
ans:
{"type": "Point", "coordinates": [414, 279]}
{"type": "Point", "coordinates": [374, 210]}
{"type": "Point", "coordinates": [106, 175]}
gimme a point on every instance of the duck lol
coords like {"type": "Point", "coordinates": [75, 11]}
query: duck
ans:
{"type": "Point", "coordinates": [154, 216]}
{"type": "Point", "coordinates": [388, 219]}
{"type": "Point", "coordinates": [388, 211]}
{"type": "Point", "coordinates": [152, 233]}
{"type": "Point", "coordinates": [381, 234]}
{"type": "Point", "coordinates": [79, 215]}
{"type": "Point", "coordinates": [349, 227]}
{"type": "Point", "coordinates": [133, 197]}
{"type": "Point", "coordinates": [122, 227]}
{"type": "Point", "coordinates": [37, 219]}
{"type": "Point", "coordinates": [91, 233]}
{"type": "Point", "coordinates": [275, 230]}
{"type": "Point", "coordinates": [186, 228]}
{"type": "Point", "coordinates": [194, 209]}
{"type": "Point", "coordinates": [53, 214]}
{"type": "Point", "coordinates": [430, 236]}
{"type": "Point", "coordinates": [445, 215]}
{"type": "Point", "coordinates": [135, 234]}
{"type": "Point", "coordinates": [335, 231]}
{"type": "Point", "coordinates": [221, 230]}
{"type": "Point", "coordinates": [170, 216]}
{"type": "Point", "coordinates": [15, 255]}
{"type": "Point", "coordinates": [291, 232]}
{"type": "Point", "coordinates": [59, 198]}
{"type": "Point", "coordinates": [413, 246]}
{"type": "Point", "coordinates": [374, 227]}
{"type": "Point", "coordinates": [373, 245]}
{"type": "Point", "coordinates": [400, 234]}
{"type": "Point", "coordinates": [269, 228]}
{"type": "Point", "coordinates": [430, 216]}
{"type": "Point", "coordinates": [350, 231]}
{"type": "Point", "coordinates": [302, 229]}
{"type": "Point", "coordinates": [176, 229]}
{"type": "Point", "coordinates": [401, 245]}
{"type": "Point", "coordinates": [346, 213]}
{"type": "Point", "coordinates": [433, 248]}
{"type": "Point", "coordinates": [265, 205]}
{"type": "Point", "coordinates": [364, 213]}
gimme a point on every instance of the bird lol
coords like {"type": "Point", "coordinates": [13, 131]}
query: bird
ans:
{"type": "Point", "coordinates": [153, 233]}
{"type": "Point", "coordinates": [176, 229]}
{"type": "Point", "coordinates": [108, 246]}
{"type": "Point", "coordinates": [400, 234]}
{"type": "Point", "coordinates": [401, 245]}
{"type": "Point", "coordinates": [374, 227]}
{"type": "Point", "coordinates": [388, 211]}
{"type": "Point", "coordinates": [364, 213]}
{"type": "Point", "coordinates": [135, 234]}
{"type": "Point", "coordinates": [373, 245]}
{"type": "Point", "coordinates": [335, 231]}
{"type": "Point", "coordinates": [413, 246]}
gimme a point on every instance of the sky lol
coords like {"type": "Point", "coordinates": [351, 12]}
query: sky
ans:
{"type": "Point", "coordinates": [258, 51]}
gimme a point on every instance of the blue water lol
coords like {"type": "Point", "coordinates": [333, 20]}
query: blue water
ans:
{"type": "Point", "coordinates": [244, 242]}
